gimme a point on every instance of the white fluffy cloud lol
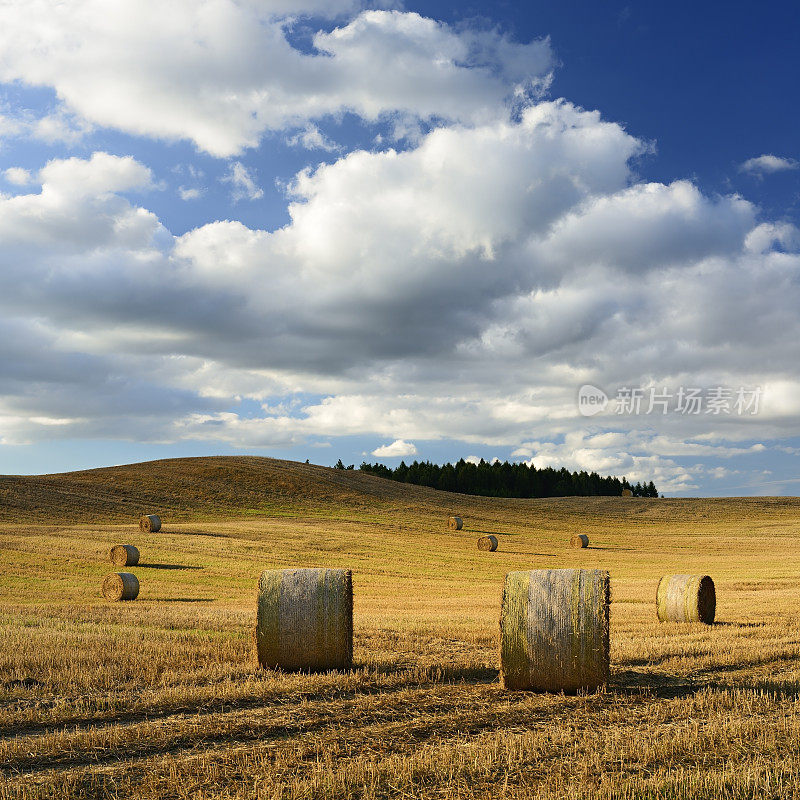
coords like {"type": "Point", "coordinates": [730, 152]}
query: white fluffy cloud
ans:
{"type": "Point", "coordinates": [768, 163]}
{"type": "Point", "coordinates": [99, 176]}
{"type": "Point", "coordinates": [222, 72]}
{"type": "Point", "coordinates": [17, 176]}
{"type": "Point", "coordinates": [51, 128]}
{"type": "Point", "coordinates": [190, 193]}
{"type": "Point", "coordinates": [396, 449]}
{"type": "Point", "coordinates": [462, 289]}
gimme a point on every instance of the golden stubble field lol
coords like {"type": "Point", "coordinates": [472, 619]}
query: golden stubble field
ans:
{"type": "Point", "coordinates": [162, 698]}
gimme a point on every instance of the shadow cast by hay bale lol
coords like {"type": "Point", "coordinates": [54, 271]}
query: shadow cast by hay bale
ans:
{"type": "Point", "coordinates": [185, 532]}
{"type": "Point", "coordinates": [183, 600]}
{"type": "Point", "coordinates": [667, 687]}
{"type": "Point", "coordinates": [660, 685]}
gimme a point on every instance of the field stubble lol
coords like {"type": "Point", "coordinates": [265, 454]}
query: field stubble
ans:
{"type": "Point", "coordinates": [162, 697]}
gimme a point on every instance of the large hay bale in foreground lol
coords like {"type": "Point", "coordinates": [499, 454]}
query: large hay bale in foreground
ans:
{"type": "Point", "coordinates": [304, 619]}
{"type": "Point", "coordinates": [121, 586]}
{"type": "Point", "coordinates": [455, 523]}
{"type": "Point", "coordinates": [124, 555]}
{"type": "Point", "coordinates": [488, 543]}
{"type": "Point", "coordinates": [150, 523]}
{"type": "Point", "coordinates": [579, 540]}
{"type": "Point", "coordinates": [554, 630]}
{"type": "Point", "coordinates": [686, 598]}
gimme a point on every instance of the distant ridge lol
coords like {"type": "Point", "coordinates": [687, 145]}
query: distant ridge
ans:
{"type": "Point", "coordinates": [219, 486]}
{"type": "Point", "coordinates": [192, 487]}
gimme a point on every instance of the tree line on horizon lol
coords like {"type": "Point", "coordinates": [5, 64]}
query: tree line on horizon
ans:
{"type": "Point", "coordinates": [505, 479]}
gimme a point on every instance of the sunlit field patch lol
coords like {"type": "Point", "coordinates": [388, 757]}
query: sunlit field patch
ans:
{"type": "Point", "coordinates": [163, 696]}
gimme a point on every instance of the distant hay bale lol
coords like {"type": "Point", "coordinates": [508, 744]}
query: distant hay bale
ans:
{"type": "Point", "coordinates": [124, 555]}
{"type": "Point", "coordinates": [686, 598]}
{"type": "Point", "coordinates": [455, 523]}
{"type": "Point", "coordinates": [579, 540]}
{"type": "Point", "coordinates": [627, 493]}
{"type": "Point", "coordinates": [304, 619]}
{"type": "Point", "coordinates": [121, 586]}
{"type": "Point", "coordinates": [554, 630]}
{"type": "Point", "coordinates": [488, 543]}
{"type": "Point", "coordinates": [150, 523]}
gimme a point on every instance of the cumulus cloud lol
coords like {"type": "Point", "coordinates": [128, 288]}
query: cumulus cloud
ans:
{"type": "Point", "coordinates": [17, 176]}
{"type": "Point", "coordinates": [462, 289]}
{"type": "Point", "coordinates": [100, 175]}
{"type": "Point", "coordinates": [767, 164]}
{"type": "Point", "coordinates": [396, 449]}
{"type": "Point", "coordinates": [221, 73]}
{"type": "Point", "coordinates": [477, 460]}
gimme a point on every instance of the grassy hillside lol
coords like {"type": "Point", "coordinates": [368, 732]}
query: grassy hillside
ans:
{"type": "Point", "coordinates": [189, 488]}
{"type": "Point", "coordinates": [161, 698]}
{"type": "Point", "coordinates": [206, 488]}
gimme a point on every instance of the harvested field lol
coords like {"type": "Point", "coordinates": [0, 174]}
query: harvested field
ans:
{"type": "Point", "coordinates": [163, 697]}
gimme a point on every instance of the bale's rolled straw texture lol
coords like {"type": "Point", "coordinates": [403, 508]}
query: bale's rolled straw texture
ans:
{"type": "Point", "coordinates": [627, 493]}
{"type": "Point", "coordinates": [124, 555]}
{"type": "Point", "coordinates": [554, 630]}
{"type": "Point", "coordinates": [455, 523]}
{"type": "Point", "coordinates": [121, 586]}
{"type": "Point", "coordinates": [686, 598]}
{"type": "Point", "coordinates": [304, 619]}
{"type": "Point", "coordinates": [488, 543]}
{"type": "Point", "coordinates": [579, 540]}
{"type": "Point", "coordinates": [150, 523]}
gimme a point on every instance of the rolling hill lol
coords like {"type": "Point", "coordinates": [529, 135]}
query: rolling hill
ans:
{"type": "Point", "coordinates": [214, 486]}
{"type": "Point", "coordinates": [162, 697]}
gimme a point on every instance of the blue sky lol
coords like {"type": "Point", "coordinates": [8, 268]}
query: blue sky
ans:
{"type": "Point", "coordinates": [323, 230]}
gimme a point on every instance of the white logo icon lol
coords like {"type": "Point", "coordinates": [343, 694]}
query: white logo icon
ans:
{"type": "Point", "coordinates": [591, 400]}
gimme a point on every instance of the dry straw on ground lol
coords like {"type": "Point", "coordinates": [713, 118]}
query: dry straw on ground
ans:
{"type": "Point", "coordinates": [121, 586]}
{"type": "Point", "coordinates": [124, 555]}
{"type": "Point", "coordinates": [554, 630]}
{"type": "Point", "coordinates": [150, 523]}
{"type": "Point", "coordinates": [579, 540]}
{"type": "Point", "coordinates": [488, 543]}
{"type": "Point", "coordinates": [455, 523]}
{"type": "Point", "coordinates": [686, 598]}
{"type": "Point", "coordinates": [305, 619]}
{"type": "Point", "coordinates": [162, 698]}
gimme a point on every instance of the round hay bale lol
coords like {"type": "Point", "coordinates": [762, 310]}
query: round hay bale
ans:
{"type": "Point", "coordinates": [686, 598]}
{"type": "Point", "coordinates": [488, 543]}
{"type": "Point", "coordinates": [304, 619]}
{"type": "Point", "coordinates": [627, 493]}
{"type": "Point", "coordinates": [124, 555]}
{"type": "Point", "coordinates": [455, 523]}
{"type": "Point", "coordinates": [121, 586]}
{"type": "Point", "coordinates": [554, 630]}
{"type": "Point", "coordinates": [579, 540]}
{"type": "Point", "coordinates": [150, 523]}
